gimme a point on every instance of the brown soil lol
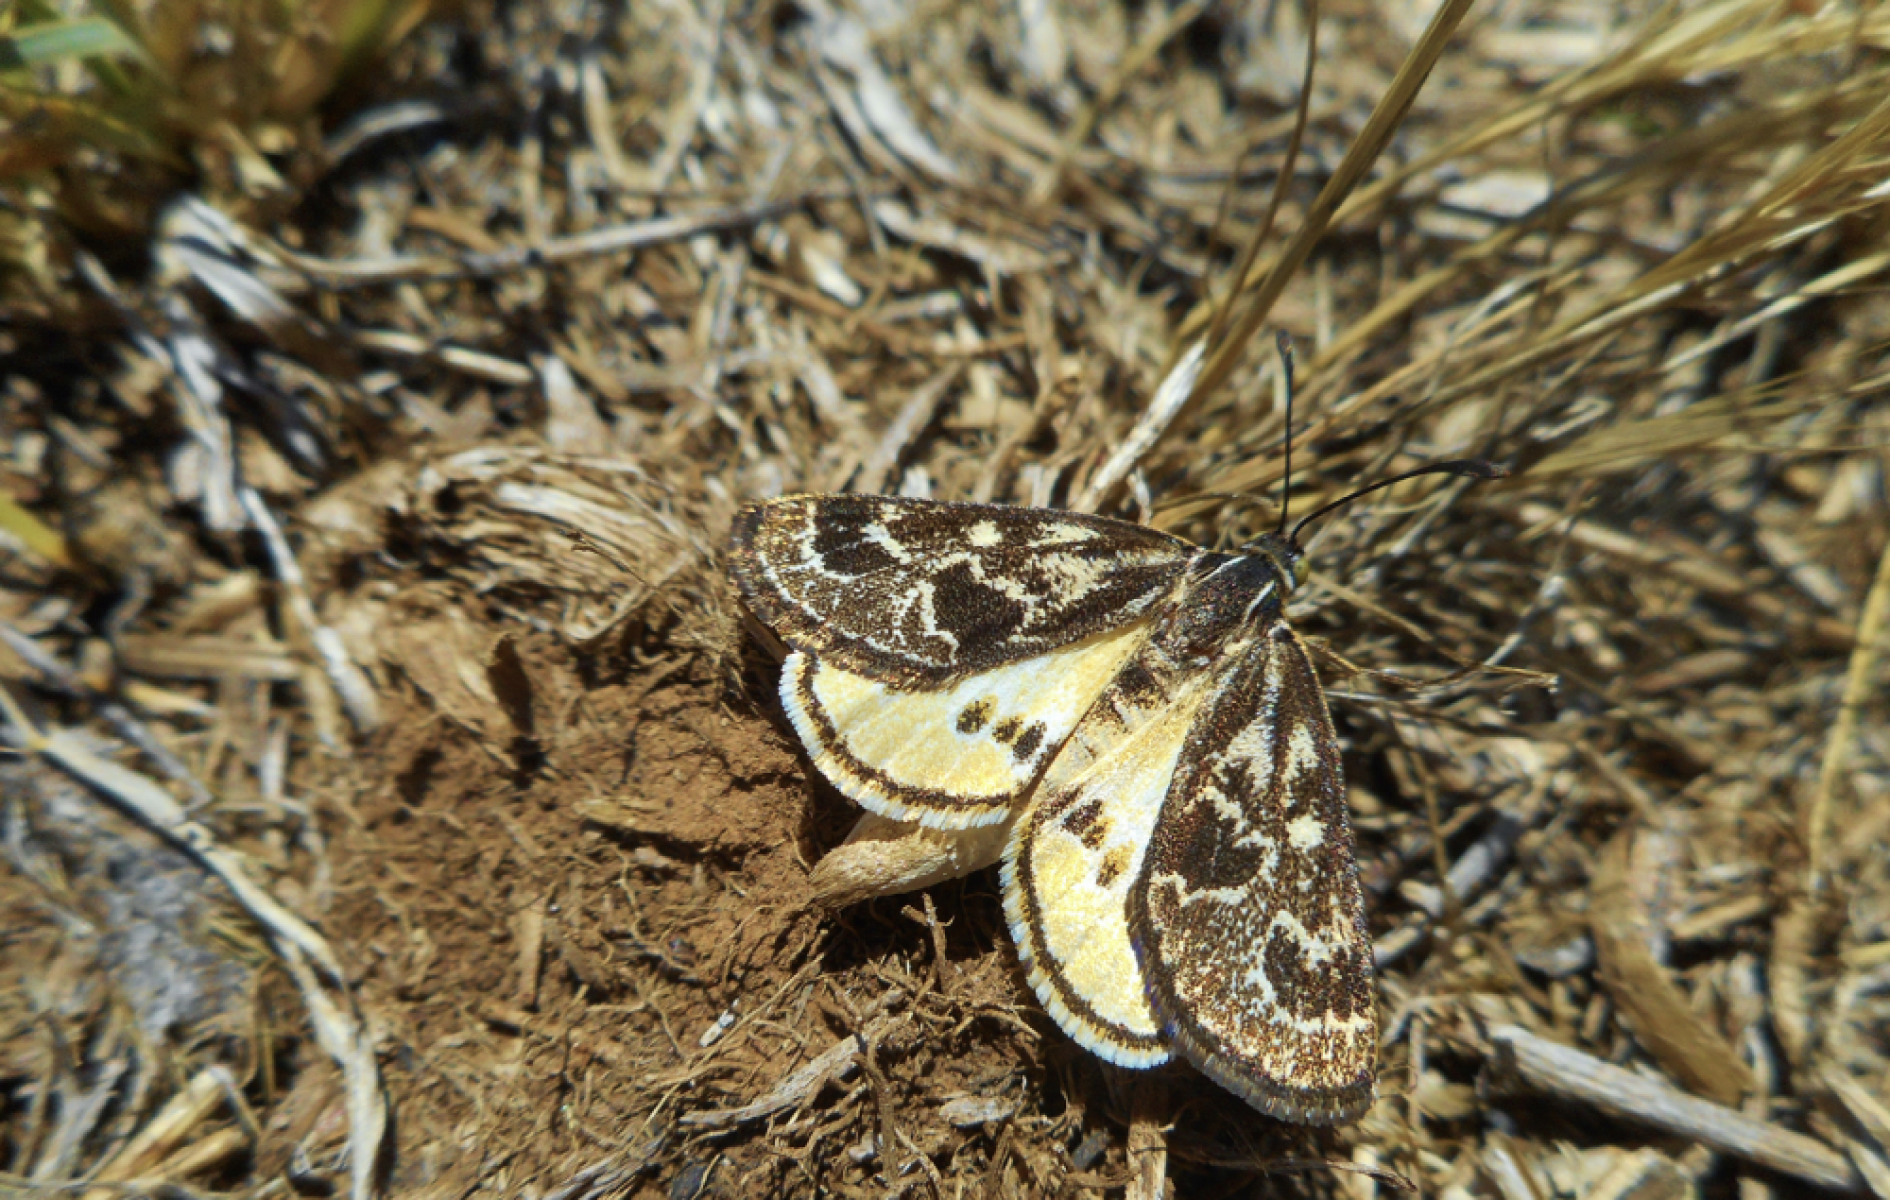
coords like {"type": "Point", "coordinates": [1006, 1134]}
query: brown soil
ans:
{"type": "Point", "coordinates": [568, 877]}
{"type": "Point", "coordinates": [547, 931]}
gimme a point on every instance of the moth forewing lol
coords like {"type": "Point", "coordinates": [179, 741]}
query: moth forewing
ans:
{"type": "Point", "coordinates": [920, 593]}
{"type": "Point", "coordinates": [943, 652]}
{"type": "Point", "coordinates": [1249, 911]}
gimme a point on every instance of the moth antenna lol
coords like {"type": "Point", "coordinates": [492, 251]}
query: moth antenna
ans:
{"type": "Point", "coordinates": [1474, 468]}
{"type": "Point", "coordinates": [1284, 342]}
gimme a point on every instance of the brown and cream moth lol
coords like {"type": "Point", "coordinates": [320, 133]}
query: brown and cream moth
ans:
{"type": "Point", "coordinates": [1134, 719]}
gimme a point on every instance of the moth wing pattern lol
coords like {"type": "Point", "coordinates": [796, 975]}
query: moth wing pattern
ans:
{"type": "Point", "coordinates": [1248, 912]}
{"type": "Point", "coordinates": [957, 757]}
{"type": "Point", "coordinates": [943, 651]}
{"type": "Point", "coordinates": [1074, 856]}
{"type": "Point", "coordinates": [917, 594]}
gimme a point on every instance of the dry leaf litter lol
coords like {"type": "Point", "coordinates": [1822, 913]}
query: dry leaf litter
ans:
{"type": "Point", "coordinates": [397, 806]}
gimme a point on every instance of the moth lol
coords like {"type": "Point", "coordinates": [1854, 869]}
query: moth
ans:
{"type": "Point", "coordinates": [1136, 711]}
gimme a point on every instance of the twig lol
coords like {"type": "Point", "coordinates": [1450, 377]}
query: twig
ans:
{"type": "Point", "coordinates": [1149, 1115]}
{"type": "Point", "coordinates": [896, 340]}
{"type": "Point", "coordinates": [613, 1175]}
{"type": "Point", "coordinates": [1169, 399]}
{"type": "Point", "coordinates": [161, 1136]}
{"type": "Point", "coordinates": [876, 472]}
{"type": "Point", "coordinates": [189, 360]}
{"type": "Point", "coordinates": [803, 1083]}
{"type": "Point", "coordinates": [1858, 688]}
{"type": "Point", "coordinates": [795, 1088]}
{"type": "Point", "coordinates": [871, 107]}
{"type": "Point", "coordinates": [614, 239]}
{"type": "Point", "coordinates": [350, 682]}
{"type": "Point", "coordinates": [1476, 866]}
{"type": "Point", "coordinates": [1545, 1066]}
{"type": "Point", "coordinates": [305, 953]}
{"type": "Point", "coordinates": [475, 363]}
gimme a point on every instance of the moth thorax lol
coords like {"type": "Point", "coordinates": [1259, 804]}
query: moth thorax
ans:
{"type": "Point", "coordinates": [1228, 595]}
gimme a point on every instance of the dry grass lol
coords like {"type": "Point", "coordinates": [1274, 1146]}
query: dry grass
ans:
{"type": "Point", "coordinates": [361, 563]}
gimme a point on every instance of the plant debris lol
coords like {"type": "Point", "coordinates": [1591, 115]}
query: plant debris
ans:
{"type": "Point", "coordinates": [399, 803]}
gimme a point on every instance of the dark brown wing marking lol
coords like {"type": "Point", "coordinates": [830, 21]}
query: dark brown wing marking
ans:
{"type": "Point", "coordinates": [920, 593]}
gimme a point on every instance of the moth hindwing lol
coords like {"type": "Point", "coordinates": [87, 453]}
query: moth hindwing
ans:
{"type": "Point", "coordinates": [1178, 871]}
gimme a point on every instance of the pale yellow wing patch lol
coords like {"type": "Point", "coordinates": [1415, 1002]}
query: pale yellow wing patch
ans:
{"type": "Point", "coordinates": [1067, 875]}
{"type": "Point", "coordinates": [955, 757]}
